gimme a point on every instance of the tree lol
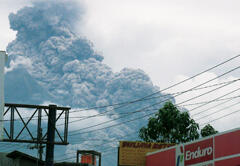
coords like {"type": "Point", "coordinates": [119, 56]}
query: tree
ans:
{"type": "Point", "coordinates": [170, 125]}
{"type": "Point", "coordinates": [208, 130]}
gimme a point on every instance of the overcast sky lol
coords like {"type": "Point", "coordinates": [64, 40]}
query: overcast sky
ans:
{"type": "Point", "coordinates": [164, 38]}
{"type": "Point", "coordinates": [169, 40]}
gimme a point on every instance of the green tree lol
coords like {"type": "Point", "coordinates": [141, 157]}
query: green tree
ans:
{"type": "Point", "coordinates": [208, 130]}
{"type": "Point", "coordinates": [170, 125]}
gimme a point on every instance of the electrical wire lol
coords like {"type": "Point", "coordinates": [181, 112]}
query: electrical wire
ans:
{"type": "Point", "coordinates": [193, 109]}
{"type": "Point", "coordinates": [209, 101]}
{"type": "Point", "coordinates": [181, 81]}
{"type": "Point", "coordinates": [156, 104]}
{"type": "Point", "coordinates": [109, 141]}
{"type": "Point", "coordinates": [219, 118]}
{"type": "Point", "coordinates": [203, 117]}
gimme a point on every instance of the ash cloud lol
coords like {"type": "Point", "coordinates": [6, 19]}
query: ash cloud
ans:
{"type": "Point", "coordinates": [65, 68]}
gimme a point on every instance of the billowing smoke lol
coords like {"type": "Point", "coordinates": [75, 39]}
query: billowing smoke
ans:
{"type": "Point", "coordinates": [64, 68]}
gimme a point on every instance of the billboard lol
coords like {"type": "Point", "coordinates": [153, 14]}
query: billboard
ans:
{"type": "Point", "coordinates": [133, 153]}
{"type": "Point", "coordinates": [3, 59]}
{"type": "Point", "coordinates": [88, 159]}
{"type": "Point", "coordinates": [222, 149]}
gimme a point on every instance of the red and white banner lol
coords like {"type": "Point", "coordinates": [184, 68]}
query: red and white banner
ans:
{"type": "Point", "coordinates": [222, 149]}
{"type": "Point", "coordinates": [199, 152]}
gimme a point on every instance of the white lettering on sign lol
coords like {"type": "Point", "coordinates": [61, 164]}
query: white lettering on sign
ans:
{"type": "Point", "coordinates": [199, 153]}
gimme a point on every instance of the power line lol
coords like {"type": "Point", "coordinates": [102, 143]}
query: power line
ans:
{"type": "Point", "coordinates": [177, 94]}
{"type": "Point", "coordinates": [106, 142]}
{"type": "Point", "coordinates": [215, 99]}
{"type": "Point", "coordinates": [154, 105]}
{"type": "Point", "coordinates": [212, 107]}
{"type": "Point", "coordinates": [180, 106]}
{"type": "Point", "coordinates": [203, 102]}
{"type": "Point", "coordinates": [136, 118]}
{"type": "Point", "coordinates": [168, 99]}
{"type": "Point", "coordinates": [220, 117]}
{"type": "Point", "coordinates": [130, 102]}
{"type": "Point", "coordinates": [135, 132]}
{"type": "Point", "coordinates": [179, 82]}
{"type": "Point", "coordinates": [103, 153]}
{"type": "Point", "coordinates": [210, 101]}
{"type": "Point", "coordinates": [218, 111]}
{"type": "Point", "coordinates": [200, 125]}
{"type": "Point", "coordinates": [103, 114]}
{"type": "Point", "coordinates": [217, 104]}
{"type": "Point", "coordinates": [185, 80]}
{"type": "Point", "coordinates": [109, 141]}
{"type": "Point", "coordinates": [210, 80]}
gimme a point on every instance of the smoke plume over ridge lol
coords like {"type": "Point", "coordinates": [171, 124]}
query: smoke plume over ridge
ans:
{"type": "Point", "coordinates": [61, 60]}
{"type": "Point", "coordinates": [64, 68]}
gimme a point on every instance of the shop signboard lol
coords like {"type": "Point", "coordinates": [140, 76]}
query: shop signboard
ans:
{"type": "Point", "coordinates": [88, 159]}
{"type": "Point", "coordinates": [133, 153]}
{"type": "Point", "coordinates": [198, 152]}
{"type": "Point", "coordinates": [222, 149]}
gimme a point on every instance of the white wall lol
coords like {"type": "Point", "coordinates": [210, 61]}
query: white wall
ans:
{"type": "Point", "coordinates": [3, 59]}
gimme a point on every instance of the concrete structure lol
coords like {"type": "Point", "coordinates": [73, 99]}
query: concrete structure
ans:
{"type": "Point", "coordinates": [3, 60]}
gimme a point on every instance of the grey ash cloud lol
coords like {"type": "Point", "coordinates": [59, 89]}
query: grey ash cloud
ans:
{"type": "Point", "coordinates": [64, 68]}
{"type": "Point", "coordinates": [67, 65]}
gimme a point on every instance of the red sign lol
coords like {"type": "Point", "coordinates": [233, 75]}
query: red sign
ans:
{"type": "Point", "coordinates": [229, 162]}
{"type": "Point", "coordinates": [199, 152]}
{"type": "Point", "coordinates": [227, 144]}
{"type": "Point", "coordinates": [88, 159]}
{"type": "Point", "coordinates": [162, 159]}
{"type": "Point", "coordinates": [222, 149]}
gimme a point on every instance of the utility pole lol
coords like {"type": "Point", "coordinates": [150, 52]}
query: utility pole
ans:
{"type": "Point", "coordinates": [51, 135]}
{"type": "Point", "coordinates": [39, 136]}
{"type": "Point", "coordinates": [40, 146]}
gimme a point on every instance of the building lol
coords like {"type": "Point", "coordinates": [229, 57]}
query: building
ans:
{"type": "Point", "coordinates": [17, 158]}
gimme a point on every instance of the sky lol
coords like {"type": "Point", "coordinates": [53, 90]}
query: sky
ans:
{"type": "Point", "coordinates": [169, 41]}
{"type": "Point", "coordinates": [165, 39]}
